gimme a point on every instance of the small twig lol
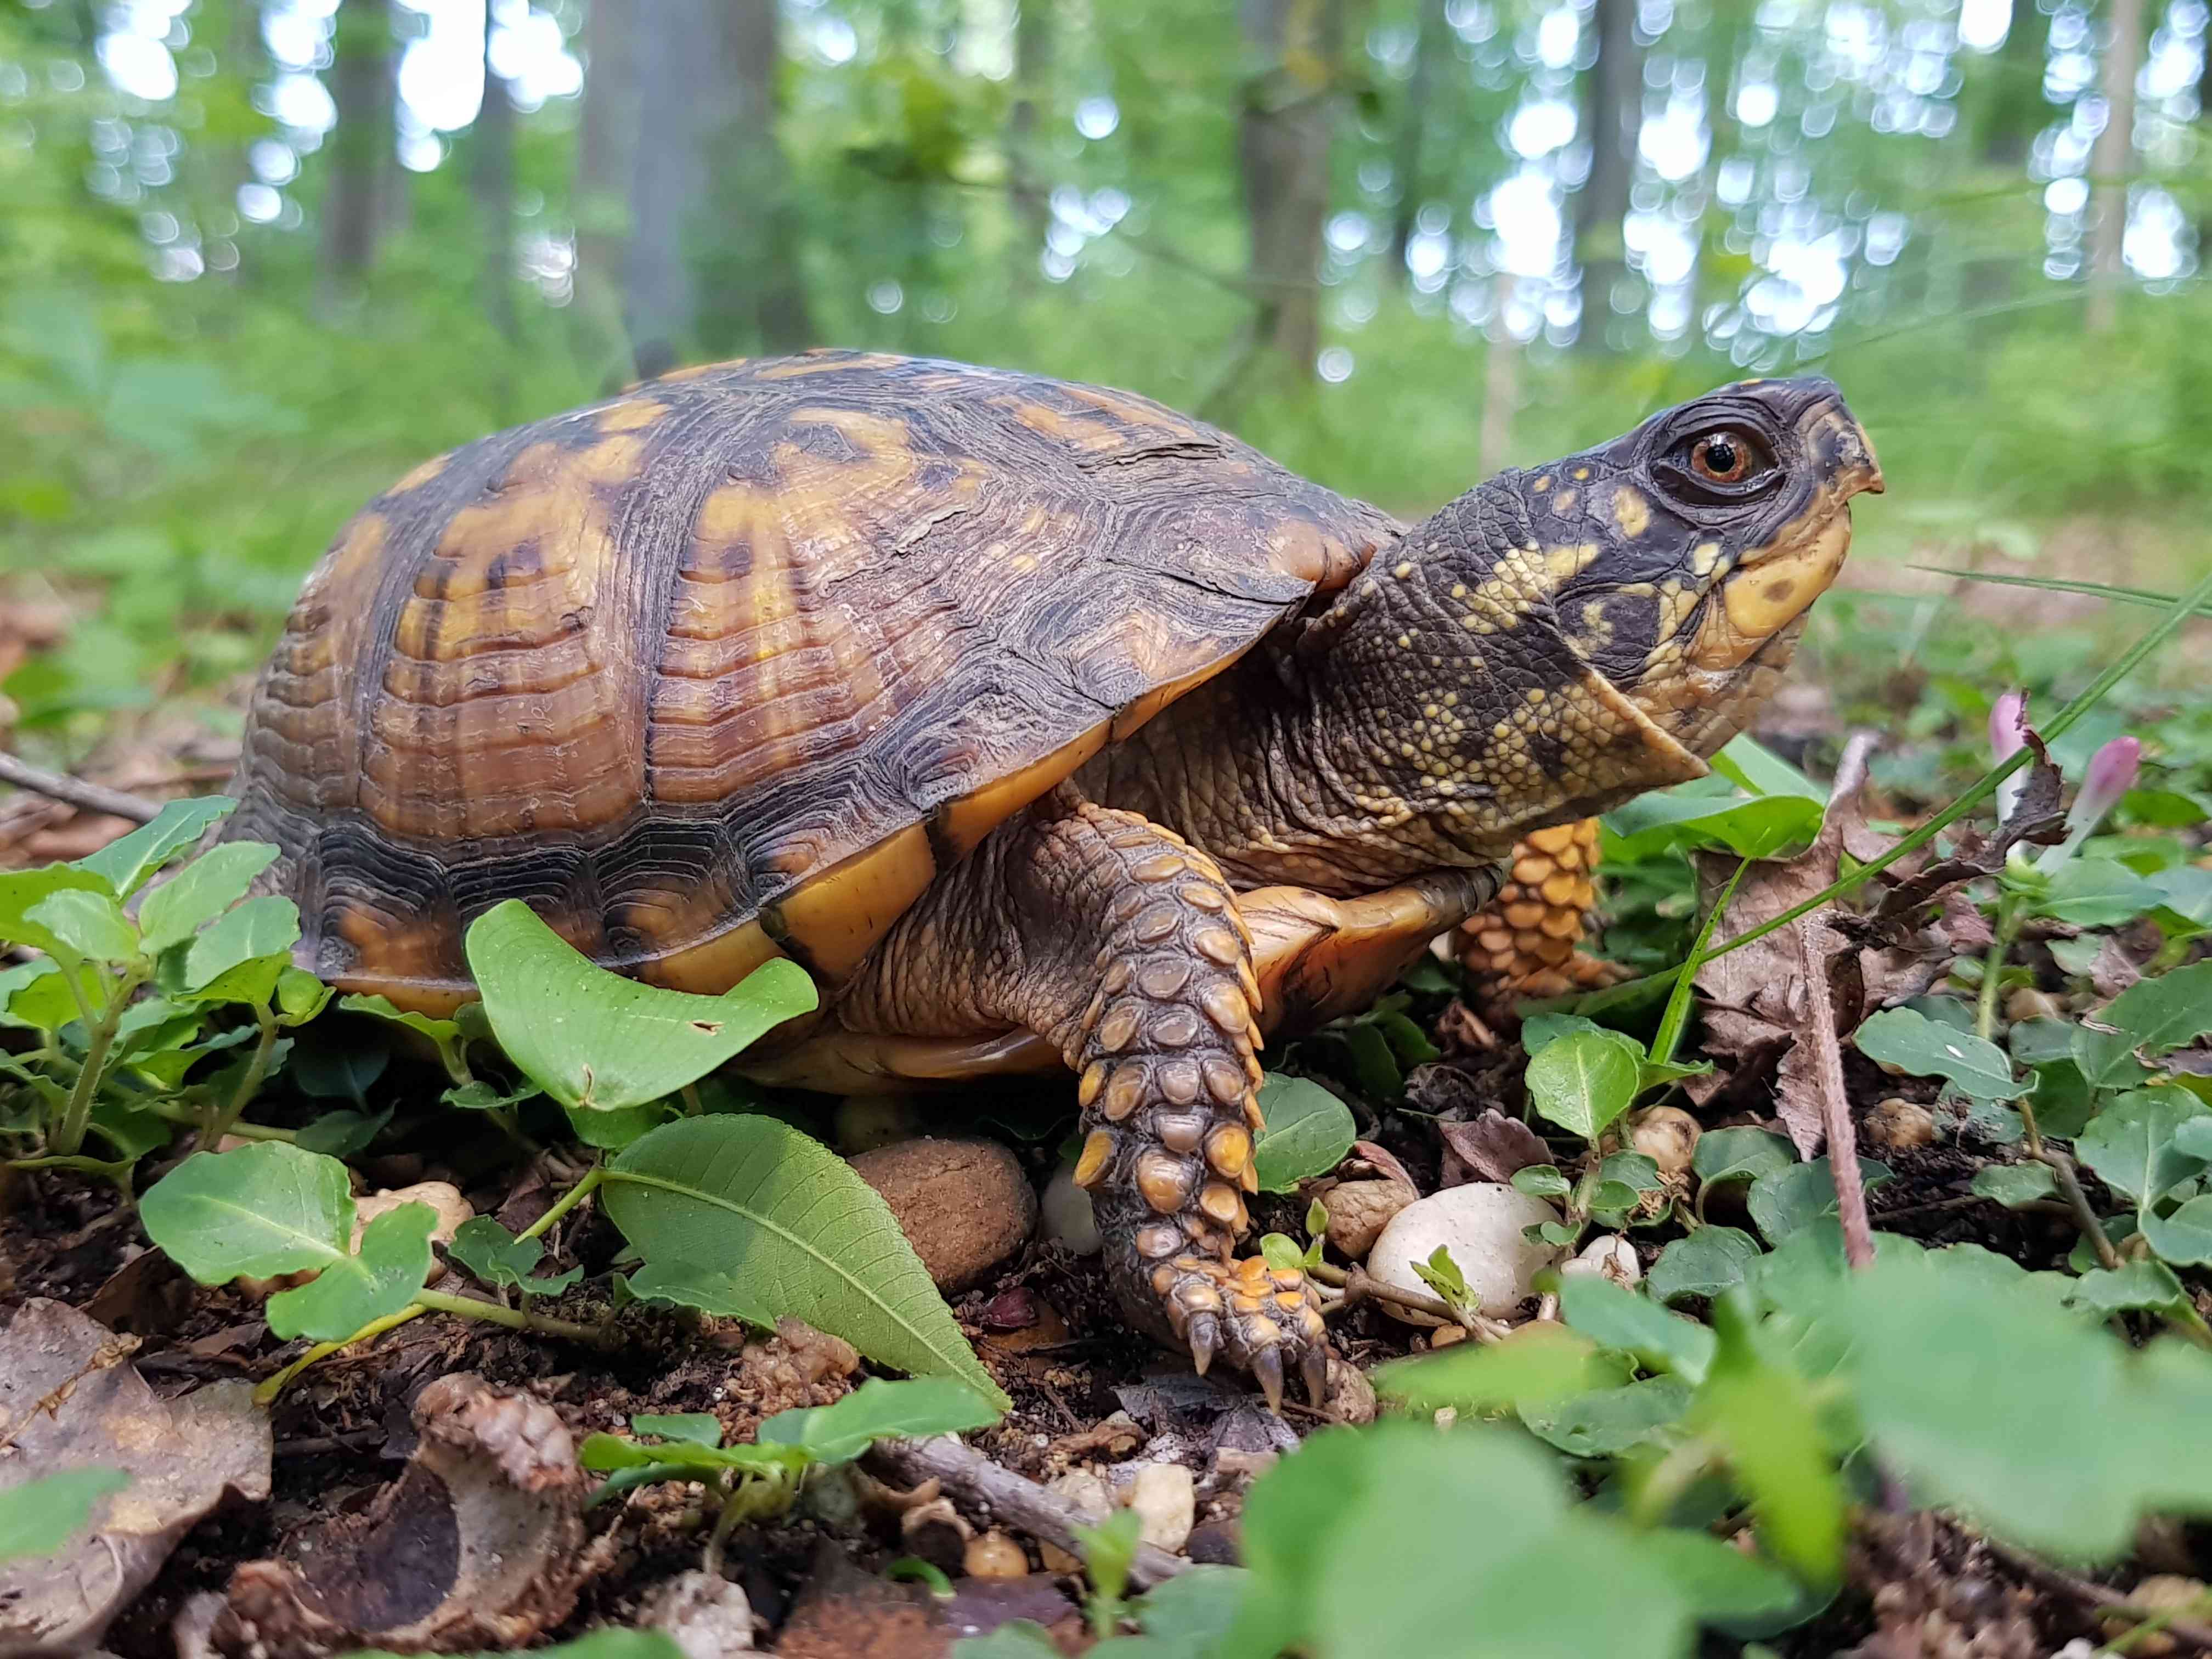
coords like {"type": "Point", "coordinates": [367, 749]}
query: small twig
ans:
{"type": "Point", "coordinates": [1835, 1102]}
{"type": "Point", "coordinates": [2082, 1590]}
{"type": "Point", "coordinates": [2085, 1215]}
{"type": "Point", "coordinates": [91, 797]}
{"type": "Point", "coordinates": [966, 1474]}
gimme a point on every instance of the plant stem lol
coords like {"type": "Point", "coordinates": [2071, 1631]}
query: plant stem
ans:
{"type": "Point", "coordinates": [257, 1073]}
{"type": "Point", "coordinates": [270, 1389]}
{"type": "Point", "coordinates": [2002, 936]}
{"type": "Point", "coordinates": [596, 1336]}
{"type": "Point", "coordinates": [77, 1114]}
{"type": "Point", "coordinates": [567, 1201]}
{"type": "Point", "coordinates": [2085, 1217]}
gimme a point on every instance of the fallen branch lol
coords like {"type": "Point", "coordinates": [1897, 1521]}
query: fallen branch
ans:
{"type": "Point", "coordinates": [91, 797]}
{"type": "Point", "coordinates": [964, 1473]}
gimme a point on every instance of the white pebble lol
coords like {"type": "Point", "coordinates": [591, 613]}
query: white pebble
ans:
{"type": "Point", "coordinates": [1611, 1257]}
{"type": "Point", "coordinates": [1480, 1223]}
{"type": "Point", "coordinates": [1067, 1217]}
{"type": "Point", "coordinates": [1165, 1498]}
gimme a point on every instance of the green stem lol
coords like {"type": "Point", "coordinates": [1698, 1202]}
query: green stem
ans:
{"type": "Point", "coordinates": [467, 1308]}
{"type": "Point", "coordinates": [243, 1131]}
{"type": "Point", "coordinates": [69, 1137]}
{"type": "Point", "coordinates": [257, 1073]}
{"type": "Point", "coordinates": [567, 1201]}
{"type": "Point", "coordinates": [269, 1390]}
{"type": "Point", "coordinates": [2006, 930]}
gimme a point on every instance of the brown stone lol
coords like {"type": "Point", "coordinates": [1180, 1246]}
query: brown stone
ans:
{"type": "Point", "coordinates": [964, 1205]}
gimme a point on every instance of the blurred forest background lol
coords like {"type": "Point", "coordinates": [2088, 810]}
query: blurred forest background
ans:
{"type": "Point", "coordinates": [258, 257]}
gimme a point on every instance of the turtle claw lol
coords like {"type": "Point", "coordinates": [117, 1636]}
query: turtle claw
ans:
{"type": "Point", "coordinates": [1267, 1371]}
{"type": "Point", "coordinates": [1313, 1369]}
{"type": "Point", "coordinates": [1205, 1337]}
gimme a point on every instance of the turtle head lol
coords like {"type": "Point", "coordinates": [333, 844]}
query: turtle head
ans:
{"type": "Point", "coordinates": [1682, 557]}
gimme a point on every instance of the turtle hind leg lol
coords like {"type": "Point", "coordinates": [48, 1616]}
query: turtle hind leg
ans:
{"type": "Point", "coordinates": [1122, 945]}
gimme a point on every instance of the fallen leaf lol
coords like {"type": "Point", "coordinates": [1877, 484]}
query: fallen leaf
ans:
{"type": "Point", "coordinates": [1490, 1147]}
{"type": "Point", "coordinates": [68, 1401]}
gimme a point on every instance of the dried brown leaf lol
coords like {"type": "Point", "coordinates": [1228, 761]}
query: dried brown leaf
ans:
{"type": "Point", "coordinates": [1491, 1147]}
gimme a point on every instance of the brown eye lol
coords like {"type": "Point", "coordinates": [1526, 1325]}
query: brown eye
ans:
{"type": "Point", "coordinates": [1725, 457]}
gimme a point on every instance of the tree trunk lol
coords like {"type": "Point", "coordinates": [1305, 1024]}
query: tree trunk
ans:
{"type": "Point", "coordinates": [1432, 46]}
{"type": "Point", "coordinates": [1283, 144]}
{"type": "Point", "coordinates": [1025, 186]}
{"type": "Point", "coordinates": [1613, 112]}
{"type": "Point", "coordinates": [354, 197]}
{"type": "Point", "coordinates": [2110, 163]}
{"type": "Point", "coordinates": [667, 177]}
{"type": "Point", "coordinates": [491, 183]}
{"type": "Point", "coordinates": [606, 160]}
{"type": "Point", "coordinates": [746, 245]}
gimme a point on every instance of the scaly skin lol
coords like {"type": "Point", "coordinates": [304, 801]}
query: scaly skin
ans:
{"type": "Point", "coordinates": [1121, 943]}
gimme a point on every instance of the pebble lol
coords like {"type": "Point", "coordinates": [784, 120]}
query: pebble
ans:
{"type": "Point", "coordinates": [1667, 1135]}
{"type": "Point", "coordinates": [994, 1555]}
{"type": "Point", "coordinates": [1610, 1257]}
{"type": "Point", "coordinates": [1480, 1223]}
{"type": "Point", "coordinates": [1165, 1498]}
{"type": "Point", "coordinates": [1067, 1216]}
{"type": "Point", "coordinates": [1897, 1124]}
{"type": "Point", "coordinates": [1089, 1494]}
{"type": "Point", "coordinates": [706, 1615]}
{"type": "Point", "coordinates": [964, 1205]}
{"type": "Point", "coordinates": [1358, 1211]}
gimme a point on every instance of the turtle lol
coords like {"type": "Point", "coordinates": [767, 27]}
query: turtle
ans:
{"type": "Point", "coordinates": [1045, 726]}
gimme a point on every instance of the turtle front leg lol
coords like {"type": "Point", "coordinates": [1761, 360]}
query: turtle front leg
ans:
{"type": "Point", "coordinates": [1121, 944]}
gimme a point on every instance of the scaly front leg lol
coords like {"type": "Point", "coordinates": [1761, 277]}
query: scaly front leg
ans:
{"type": "Point", "coordinates": [1121, 944]}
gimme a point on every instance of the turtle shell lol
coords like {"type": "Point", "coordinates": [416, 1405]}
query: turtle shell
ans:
{"type": "Point", "coordinates": [729, 666]}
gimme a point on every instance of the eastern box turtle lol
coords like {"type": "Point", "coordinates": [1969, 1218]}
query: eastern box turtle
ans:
{"type": "Point", "coordinates": [1044, 724]}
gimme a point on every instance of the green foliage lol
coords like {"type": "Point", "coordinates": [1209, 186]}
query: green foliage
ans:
{"type": "Point", "coordinates": [36, 1518]}
{"type": "Point", "coordinates": [1308, 1130]}
{"type": "Point", "coordinates": [1909, 1040]}
{"type": "Point", "coordinates": [918, 1407]}
{"type": "Point", "coordinates": [752, 1201]}
{"type": "Point", "coordinates": [499, 1259]}
{"type": "Point", "coordinates": [1585, 1080]}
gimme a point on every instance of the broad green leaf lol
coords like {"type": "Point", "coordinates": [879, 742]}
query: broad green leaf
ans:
{"type": "Point", "coordinates": [125, 863]}
{"type": "Point", "coordinates": [1187, 1616]}
{"type": "Point", "coordinates": [2163, 1011]}
{"type": "Point", "coordinates": [333, 1069]}
{"type": "Point", "coordinates": [2014, 1184]}
{"type": "Point", "coordinates": [261, 1211]}
{"type": "Point", "coordinates": [2062, 1099]}
{"type": "Point", "coordinates": [2185, 1237]}
{"type": "Point", "coordinates": [1742, 1595]}
{"type": "Point", "coordinates": [693, 1285]}
{"type": "Point", "coordinates": [2107, 1059]}
{"type": "Point", "coordinates": [87, 924]}
{"type": "Point", "coordinates": [445, 1035]}
{"type": "Point", "coordinates": [1540, 1031]}
{"type": "Point", "coordinates": [239, 955]}
{"type": "Point", "coordinates": [300, 995]}
{"type": "Point", "coordinates": [699, 1428]}
{"type": "Point", "coordinates": [1782, 1202]}
{"type": "Point", "coordinates": [1541, 1365]}
{"type": "Point", "coordinates": [37, 1517]}
{"type": "Point", "coordinates": [2108, 1290]}
{"type": "Point", "coordinates": [1760, 769]}
{"type": "Point", "coordinates": [592, 1039]}
{"type": "Point", "coordinates": [24, 890]}
{"type": "Point", "coordinates": [1584, 1080]}
{"type": "Point", "coordinates": [1740, 1153]}
{"type": "Point", "coordinates": [1707, 1262]}
{"type": "Point", "coordinates": [1959, 1390]}
{"type": "Point", "coordinates": [2040, 1042]}
{"type": "Point", "coordinates": [603, 1453]}
{"type": "Point", "coordinates": [1308, 1130]}
{"type": "Point", "coordinates": [1754, 826]}
{"type": "Point", "coordinates": [608, 1129]}
{"type": "Point", "coordinates": [1541, 1181]}
{"type": "Point", "coordinates": [918, 1407]}
{"type": "Point", "coordinates": [1609, 1421]}
{"type": "Point", "coordinates": [343, 1132]}
{"type": "Point", "coordinates": [201, 891]}
{"type": "Point", "coordinates": [1767, 1418]}
{"type": "Point", "coordinates": [2130, 1143]}
{"type": "Point", "coordinates": [1617, 1317]}
{"type": "Point", "coordinates": [790, 1222]}
{"type": "Point", "coordinates": [1907, 1039]}
{"type": "Point", "coordinates": [382, 1277]}
{"type": "Point", "coordinates": [2094, 892]}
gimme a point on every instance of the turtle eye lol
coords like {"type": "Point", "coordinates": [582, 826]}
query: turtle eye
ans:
{"type": "Point", "coordinates": [1728, 457]}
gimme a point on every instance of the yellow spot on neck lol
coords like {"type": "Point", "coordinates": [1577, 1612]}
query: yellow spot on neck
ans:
{"type": "Point", "coordinates": [1630, 511]}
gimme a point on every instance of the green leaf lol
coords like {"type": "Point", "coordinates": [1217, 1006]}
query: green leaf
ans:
{"type": "Point", "coordinates": [260, 1211]}
{"type": "Point", "coordinates": [699, 1428]}
{"type": "Point", "coordinates": [1782, 1202]}
{"type": "Point", "coordinates": [1541, 1365]}
{"type": "Point", "coordinates": [1280, 1251]}
{"type": "Point", "coordinates": [592, 1039]}
{"type": "Point", "coordinates": [300, 995]}
{"type": "Point", "coordinates": [608, 1130]}
{"type": "Point", "coordinates": [1907, 1039]}
{"type": "Point", "coordinates": [2107, 1059]}
{"type": "Point", "coordinates": [1308, 1130]}
{"type": "Point", "coordinates": [1685, 817]}
{"type": "Point", "coordinates": [40, 1516]}
{"type": "Point", "coordinates": [1187, 1616]}
{"type": "Point", "coordinates": [1959, 1391]}
{"type": "Point", "coordinates": [2108, 1290]}
{"type": "Point", "coordinates": [497, 1257]}
{"type": "Point", "coordinates": [1766, 1418]}
{"type": "Point", "coordinates": [790, 1221]}
{"type": "Point", "coordinates": [125, 863]}
{"type": "Point", "coordinates": [91, 926]}
{"type": "Point", "coordinates": [334, 1070]}
{"type": "Point", "coordinates": [1741, 1153]}
{"type": "Point", "coordinates": [24, 890]}
{"type": "Point", "coordinates": [342, 1133]}
{"type": "Point", "coordinates": [692, 1284]}
{"type": "Point", "coordinates": [877, 1409]}
{"type": "Point", "coordinates": [2185, 1237]}
{"type": "Point", "coordinates": [445, 1035]}
{"type": "Point", "coordinates": [2094, 892]}
{"type": "Point", "coordinates": [1541, 1181]}
{"type": "Point", "coordinates": [201, 891]}
{"type": "Point", "coordinates": [1609, 1421]}
{"type": "Point", "coordinates": [2014, 1184]}
{"type": "Point", "coordinates": [1760, 769]}
{"type": "Point", "coordinates": [1621, 1318]}
{"type": "Point", "coordinates": [1540, 1031]}
{"type": "Point", "coordinates": [2165, 1011]}
{"type": "Point", "coordinates": [1633, 1170]}
{"type": "Point", "coordinates": [1585, 1080]}
{"type": "Point", "coordinates": [2130, 1143]}
{"type": "Point", "coordinates": [1019, 1638]}
{"type": "Point", "coordinates": [391, 1266]}
{"type": "Point", "coordinates": [1707, 1262]}
{"type": "Point", "coordinates": [2064, 1100]}
{"type": "Point", "coordinates": [239, 954]}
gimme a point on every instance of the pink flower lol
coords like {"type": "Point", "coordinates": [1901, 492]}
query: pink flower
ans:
{"type": "Point", "coordinates": [2112, 772]}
